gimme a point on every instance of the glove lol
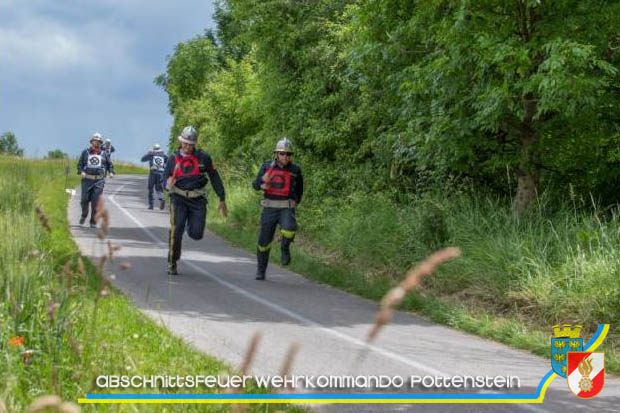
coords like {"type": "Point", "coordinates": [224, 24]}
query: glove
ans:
{"type": "Point", "coordinates": [83, 174]}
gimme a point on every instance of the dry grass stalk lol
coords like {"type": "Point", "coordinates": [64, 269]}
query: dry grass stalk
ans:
{"type": "Point", "coordinates": [100, 207]}
{"type": "Point", "coordinates": [112, 249]}
{"type": "Point", "coordinates": [43, 219]}
{"type": "Point", "coordinates": [248, 358]}
{"type": "Point", "coordinates": [66, 272]}
{"type": "Point", "coordinates": [80, 266]}
{"type": "Point", "coordinates": [52, 402]}
{"type": "Point", "coordinates": [250, 353]}
{"type": "Point", "coordinates": [293, 349]}
{"type": "Point", "coordinates": [51, 310]}
{"type": "Point", "coordinates": [103, 216]}
{"type": "Point", "coordinates": [102, 262]}
{"type": "Point", "coordinates": [383, 317]}
{"type": "Point", "coordinates": [287, 364]}
{"type": "Point", "coordinates": [412, 279]}
{"type": "Point", "coordinates": [66, 269]}
{"type": "Point", "coordinates": [76, 346]}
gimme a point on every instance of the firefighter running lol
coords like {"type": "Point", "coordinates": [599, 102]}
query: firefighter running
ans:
{"type": "Point", "coordinates": [93, 166]}
{"type": "Point", "coordinates": [186, 181]}
{"type": "Point", "coordinates": [157, 163]}
{"type": "Point", "coordinates": [283, 186]}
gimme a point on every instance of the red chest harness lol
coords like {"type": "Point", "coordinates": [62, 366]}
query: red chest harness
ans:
{"type": "Point", "coordinates": [280, 183]}
{"type": "Point", "coordinates": [186, 166]}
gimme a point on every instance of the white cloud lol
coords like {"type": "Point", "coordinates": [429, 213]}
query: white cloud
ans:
{"type": "Point", "coordinates": [74, 66]}
{"type": "Point", "coordinates": [42, 50]}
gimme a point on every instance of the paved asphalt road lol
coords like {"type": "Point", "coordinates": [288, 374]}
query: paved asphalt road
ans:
{"type": "Point", "coordinates": [217, 306]}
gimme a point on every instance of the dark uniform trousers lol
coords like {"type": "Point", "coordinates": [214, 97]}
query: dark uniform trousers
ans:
{"type": "Point", "coordinates": [155, 182]}
{"type": "Point", "coordinates": [91, 191]}
{"type": "Point", "coordinates": [270, 217]}
{"type": "Point", "coordinates": [190, 212]}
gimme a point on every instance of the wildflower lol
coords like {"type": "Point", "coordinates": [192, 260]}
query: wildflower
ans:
{"type": "Point", "coordinates": [17, 341]}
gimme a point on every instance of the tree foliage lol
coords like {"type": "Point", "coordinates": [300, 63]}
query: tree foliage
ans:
{"type": "Point", "coordinates": [8, 145]}
{"type": "Point", "coordinates": [56, 154]}
{"type": "Point", "coordinates": [406, 94]}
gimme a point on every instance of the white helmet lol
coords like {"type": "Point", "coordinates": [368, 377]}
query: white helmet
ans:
{"type": "Point", "coordinates": [284, 145]}
{"type": "Point", "coordinates": [156, 147]}
{"type": "Point", "coordinates": [189, 135]}
{"type": "Point", "coordinates": [108, 141]}
{"type": "Point", "coordinates": [96, 137]}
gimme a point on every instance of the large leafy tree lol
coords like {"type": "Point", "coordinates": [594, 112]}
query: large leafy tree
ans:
{"type": "Point", "coordinates": [191, 66]}
{"type": "Point", "coordinates": [496, 84]}
{"type": "Point", "coordinates": [404, 92]}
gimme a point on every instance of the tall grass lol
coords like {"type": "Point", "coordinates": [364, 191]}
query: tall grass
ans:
{"type": "Point", "coordinates": [559, 263]}
{"type": "Point", "coordinates": [58, 330]}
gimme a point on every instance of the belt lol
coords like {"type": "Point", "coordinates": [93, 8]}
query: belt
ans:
{"type": "Point", "coordinates": [195, 193]}
{"type": "Point", "coordinates": [278, 203]}
{"type": "Point", "coordinates": [94, 176]}
{"type": "Point", "coordinates": [155, 169]}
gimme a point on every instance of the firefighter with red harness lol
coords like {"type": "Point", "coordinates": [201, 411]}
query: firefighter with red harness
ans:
{"type": "Point", "coordinates": [186, 173]}
{"type": "Point", "coordinates": [283, 186]}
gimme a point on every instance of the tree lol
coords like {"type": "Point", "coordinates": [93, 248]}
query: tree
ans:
{"type": "Point", "coordinates": [8, 145]}
{"type": "Point", "coordinates": [192, 64]}
{"type": "Point", "coordinates": [56, 154]}
{"type": "Point", "coordinates": [497, 84]}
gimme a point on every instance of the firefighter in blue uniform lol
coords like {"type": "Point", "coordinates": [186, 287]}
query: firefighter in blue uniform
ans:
{"type": "Point", "coordinates": [157, 163]}
{"type": "Point", "coordinates": [108, 147]}
{"type": "Point", "coordinates": [283, 186]}
{"type": "Point", "coordinates": [93, 165]}
{"type": "Point", "coordinates": [186, 181]}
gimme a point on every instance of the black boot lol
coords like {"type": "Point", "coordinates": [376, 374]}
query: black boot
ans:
{"type": "Point", "coordinates": [162, 204]}
{"type": "Point", "coordinates": [151, 206]}
{"type": "Point", "coordinates": [82, 220]}
{"type": "Point", "coordinates": [262, 258]}
{"type": "Point", "coordinates": [285, 249]}
{"type": "Point", "coordinates": [172, 268]}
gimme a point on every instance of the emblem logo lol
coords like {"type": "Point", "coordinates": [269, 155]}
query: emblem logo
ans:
{"type": "Point", "coordinates": [94, 160]}
{"type": "Point", "coordinates": [585, 373]}
{"type": "Point", "coordinates": [565, 340]}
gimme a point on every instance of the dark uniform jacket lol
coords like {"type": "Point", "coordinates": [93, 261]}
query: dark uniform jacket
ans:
{"type": "Point", "coordinates": [189, 171]}
{"type": "Point", "coordinates": [108, 149]}
{"type": "Point", "coordinates": [286, 182]}
{"type": "Point", "coordinates": [94, 162]}
{"type": "Point", "coordinates": [157, 160]}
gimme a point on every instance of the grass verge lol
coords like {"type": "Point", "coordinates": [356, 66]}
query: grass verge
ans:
{"type": "Point", "coordinates": [129, 168]}
{"type": "Point", "coordinates": [61, 325]}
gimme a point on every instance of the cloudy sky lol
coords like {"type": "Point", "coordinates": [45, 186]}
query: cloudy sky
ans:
{"type": "Point", "coordinates": [69, 68]}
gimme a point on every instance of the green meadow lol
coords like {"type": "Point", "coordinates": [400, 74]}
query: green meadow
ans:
{"type": "Point", "coordinates": [61, 323]}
